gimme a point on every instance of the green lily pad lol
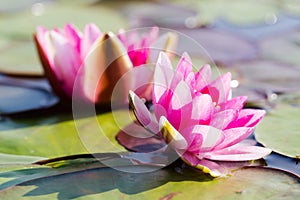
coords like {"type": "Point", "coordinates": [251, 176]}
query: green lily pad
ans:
{"type": "Point", "coordinates": [17, 159]}
{"type": "Point", "coordinates": [55, 14]}
{"type": "Point", "coordinates": [27, 62]}
{"type": "Point", "coordinates": [280, 130]}
{"type": "Point", "coordinates": [283, 48]}
{"type": "Point", "coordinates": [166, 183]}
{"type": "Point", "coordinates": [91, 134]}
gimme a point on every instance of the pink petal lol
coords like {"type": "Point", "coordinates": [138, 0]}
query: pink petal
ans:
{"type": "Point", "coordinates": [40, 33]}
{"type": "Point", "coordinates": [142, 113]}
{"type": "Point", "coordinates": [210, 135]}
{"type": "Point", "coordinates": [248, 118]}
{"type": "Point", "coordinates": [239, 153]}
{"type": "Point", "coordinates": [90, 35]}
{"type": "Point", "coordinates": [234, 136]}
{"type": "Point", "coordinates": [222, 119]}
{"type": "Point", "coordinates": [236, 103]}
{"type": "Point", "coordinates": [203, 77]}
{"type": "Point", "coordinates": [181, 96]}
{"type": "Point", "coordinates": [66, 61]}
{"type": "Point", "coordinates": [180, 106]}
{"type": "Point", "coordinates": [209, 167]}
{"type": "Point", "coordinates": [163, 76]}
{"type": "Point", "coordinates": [184, 66]}
{"type": "Point", "coordinates": [195, 146]}
{"type": "Point", "coordinates": [171, 135]}
{"type": "Point", "coordinates": [149, 38]}
{"type": "Point", "coordinates": [220, 88]}
{"type": "Point", "coordinates": [73, 35]}
{"type": "Point", "coordinates": [202, 109]}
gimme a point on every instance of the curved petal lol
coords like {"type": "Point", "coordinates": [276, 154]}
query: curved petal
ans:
{"type": "Point", "coordinates": [203, 77]}
{"type": "Point", "coordinates": [248, 118]}
{"type": "Point", "coordinates": [90, 34]}
{"type": "Point", "coordinates": [180, 105]}
{"type": "Point", "coordinates": [236, 103]}
{"type": "Point", "coordinates": [163, 76]}
{"type": "Point", "coordinates": [73, 35]}
{"type": "Point", "coordinates": [234, 136]}
{"type": "Point", "coordinates": [203, 109]}
{"type": "Point", "coordinates": [220, 88]}
{"type": "Point", "coordinates": [171, 135]}
{"type": "Point", "coordinates": [142, 114]}
{"type": "Point", "coordinates": [195, 145]}
{"type": "Point", "coordinates": [209, 167]}
{"type": "Point", "coordinates": [65, 59]}
{"type": "Point", "coordinates": [150, 37]}
{"type": "Point", "coordinates": [222, 119]}
{"type": "Point", "coordinates": [40, 37]}
{"type": "Point", "coordinates": [239, 153]}
{"type": "Point", "coordinates": [211, 137]}
{"type": "Point", "coordinates": [184, 66]}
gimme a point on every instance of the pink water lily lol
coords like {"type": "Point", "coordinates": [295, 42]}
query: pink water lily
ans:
{"type": "Point", "coordinates": [87, 65]}
{"type": "Point", "coordinates": [64, 52]}
{"type": "Point", "coordinates": [197, 116]}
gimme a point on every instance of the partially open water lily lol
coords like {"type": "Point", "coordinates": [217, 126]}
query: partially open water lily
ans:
{"type": "Point", "coordinates": [197, 117]}
{"type": "Point", "coordinates": [90, 63]}
{"type": "Point", "coordinates": [68, 54]}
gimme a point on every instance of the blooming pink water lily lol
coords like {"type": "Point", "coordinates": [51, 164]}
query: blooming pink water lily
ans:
{"type": "Point", "coordinates": [90, 63]}
{"type": "Point", "coordinates": [197, 116]}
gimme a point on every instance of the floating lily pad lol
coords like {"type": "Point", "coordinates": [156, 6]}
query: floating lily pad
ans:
{"type": "Point", "coordinates": [91, 134]}
{"type": "Point", "coordinates": [23, 24]}
{"type": "Point", "coordinates": [141, 14]}
{"type": "Point", "coordinates": [269, 75]}
{"type": "Point", "coordinates": [20, 95]}
{"type": "Point", "coordinates": [241, 12]}
{"type": "Point", "coordinates": [275, 24]}
{"type": "Point", "coordinates": [283, 48]}
{"type": "Point", "coordinates": [20, 58]}
{"type": "Point", "coordinates": [218, 46]}
{"type": "Point", "coordinates": [280, 130]}
{"type": "Point", "coordinates": [178, 183]}
{"type": "Point", "coordinates": [292, 7]}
